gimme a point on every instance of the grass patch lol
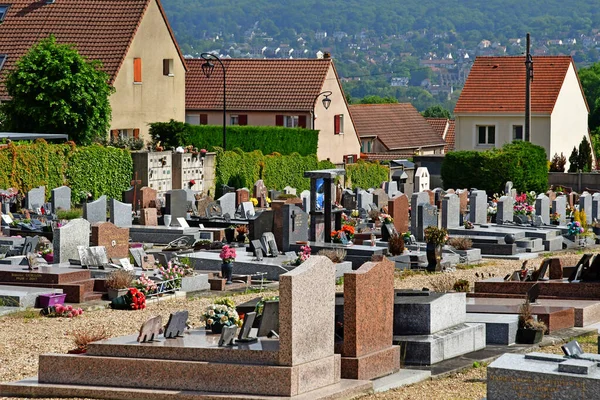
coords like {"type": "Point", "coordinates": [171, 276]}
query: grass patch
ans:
{"type": "Point", "coordinates": [73, 213]}
{"type": "Point", "coordinates": [339, 281]}
{"type": "Point", "coordinates": [27, 314]}
{"type": "Point", "coordinates": [467, 266]}
{"type": "Point", "coordinates": [8, 302]}
{"type": "Point", "coordinates": [407, 273]}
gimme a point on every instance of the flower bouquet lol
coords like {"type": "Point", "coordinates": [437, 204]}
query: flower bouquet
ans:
{"type": "Point", "coordinates": [436, 236]}
{"type": "Point", "coordinates": [60, 310]}
{"type": "Point", "coordinates": [227, 254]}
{"type": "Point", "coordinates": [145, 285]}
{"type": "Point", "coordinates": [575, 228]}
{"type": "Point", "coordinates": [133, 300]}
{"type": "Point", "coordinates": [218, 316]}
{"type": "Point", "coordinates": [303, 255]}
{"type": "Point", "coordinates": [555, 218]}
{"type": "Point", "coordinates": [386, 218]}
{"type": "Point", "coordinates": [521, 206]}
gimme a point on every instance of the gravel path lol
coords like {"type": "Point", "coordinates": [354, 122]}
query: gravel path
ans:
{"type": "Point", "coordinates": [24, 336]}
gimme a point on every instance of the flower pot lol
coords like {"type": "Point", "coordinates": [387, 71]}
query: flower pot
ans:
{"type": "Point", "coordinates": [529, 336]}
{"type": "Point", "coordinates": [167, 220]}
{"type": "Point", "coordinates": [49, 258]}
{"type": "Point", "coordinates": [596, 230]}
{"type": "Point", "coordinates": [434, 257]}
{"type": "Point", "coordinates": [385, 233]}
{"type": "Point", "coordinates": [216, 327]}
{"type": "Point", "coordinates": [227, 272]}
{"type": "Point", "coordinates": [52, 299]}
{"type": "Point", "coordinates": [121, 303]}
{"type": "Point", "coordinates": [241, 237]}
{"type": "Point", "coordinates": [229, 235]}
{"type": "Point", "coordinates": [114, 293]}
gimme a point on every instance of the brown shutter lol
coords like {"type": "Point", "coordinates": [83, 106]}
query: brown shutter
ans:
{"type": "Point", "coordinates": [137, 70]}
{"type": "Point", "coordinates": [279, 120]}
{"type": "Point", "coordinates": [166, 66]}
{"type": "Point", "coordinates": [114, 134]}
{"type": "Point", "coordinates": [302, 121]}
{"type": "Point", "coordinates": [243, 119]}
{"type": "Point", "coordinates": [336, 124]}
{"type": "Point", "coordinates": [345, 159]}
{"type": "Point", "coordinates": [203, 119]}
{"type": "Point", "coordinates": [136, 133]}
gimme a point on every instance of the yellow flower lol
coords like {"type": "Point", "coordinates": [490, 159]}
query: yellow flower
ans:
{"type": "Point", "coordinates": [209, 321]}
{"type": "Point", "coordinates": [224, 319]}
{"type": "Point", "coordinates": [254, 201]}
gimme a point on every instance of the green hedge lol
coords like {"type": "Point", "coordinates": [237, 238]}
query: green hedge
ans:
{"type": "Point", "coordinates": [267, 139]}
{"type": "Point", "coordinates": [239, 169]}
{"type": "Point", "coordinates": [367, 174]}
{"type": "Point", "coordinates": [523, 163]}
{"type": "Point", "coordinates": [94, 169]}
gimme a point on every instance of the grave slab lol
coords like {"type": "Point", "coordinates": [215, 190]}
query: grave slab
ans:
{"type": "Point", "coordinates": [499, 329]}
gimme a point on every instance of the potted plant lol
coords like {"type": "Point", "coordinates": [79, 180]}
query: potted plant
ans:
{"type": "Point", "coordinates": [228, 256]}
{"type": "Point", "coordinates": [529, 331]}
{"type": "Point", "coordinates": [230, 233]}
{"type": "Point", "coordinates": [218, 316]}
{"type": "Point", "coordinates": [242, 231]}
{"type": "Point", "coordinates": [118, 283]}
{"type": "Point", "coordinates": [396, 245]}
{"type": "Point", "coordinates": [555, 218]}
{"type": "Point", "coordinates": [435, 239]}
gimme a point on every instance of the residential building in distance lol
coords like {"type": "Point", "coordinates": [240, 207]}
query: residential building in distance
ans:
{"type": "Point", "coordinates": [445, 128]}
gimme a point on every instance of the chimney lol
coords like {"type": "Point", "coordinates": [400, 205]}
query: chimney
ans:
{"type": "Point", "coordinates": [326, 55]}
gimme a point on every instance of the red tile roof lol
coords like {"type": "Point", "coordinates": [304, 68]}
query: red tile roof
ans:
{"type": "Point", "coordinates": [439, 125]}
{"type": "Point", "coordinates": [100, 29]}
{"type": "Point", "coordinates": [398, 126]}
{"type": "Point", "coordinates": [497, 84]}
{"type": "Point", "coordinates": [445, 128]}
{"type": "Point", "coordinates": [256, 84]}
{"type": "Point", "coordinates": [450, 136]}
{"type": "Point", "coordinates": [385, 156]}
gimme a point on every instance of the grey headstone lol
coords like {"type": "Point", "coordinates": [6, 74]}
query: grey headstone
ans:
{"type": "Point", "coordinates": [478, 204]}
{"type": "Point", "coordinates": [305, 196]}
{"type": "Point", "coordinates": [176, 325]}
{"type": "Point", "coordinates": [426, 216]}
{"type": "Point", "coordinates": [505, 210]}
{"type": "Point", "coordinates": [247, 325]}
{"type": "Point", "coordinates": [270, 318]}
{"type": "Point", "coordinates": [268, 242]}
{"type": "Point", "coordinates": [364, 199]}
{"type": "Point", "coordinates": [248, 209]}
{"type": "Point", "coordinates": [61, 198]}
{"type": "Point", "coordinates": [391, 188]}
{"type": "Point", "coordinates": [288, 190]}
{"type": "Point", "coordinates": [176, 203]}
{"type": "Point", "coordinates": [68, 237]}
{"type": "Point", "coordinates": [227, 335]}
{"type": "Point", "coordinates": [121, 213]}
{"type": "Point", "coordinates": [258, 245]}
{"type": "Point", "coordinates": [213, 210]}
{"type": "Point", "coordinates": [95, 211]}
{"type": "Point", "coordinates": [94, 256]}
{"type": "Point", "coordinates": [295, 226]}
{"type": "Point", "coordinates": [572, 348]}
{"type": "Point", "coordinates": [596, 206]}
{"type": "Point", "coordinates": [36, 198]}
{"type": "Point", "coordinates": [585, 204]}
{"type": "Point", "coordinates": [274, 194]}
{"type": "Point", "coordinates": [450, 211]}
{"type": "Point", "coordinates": [150, 330]}
{"type": "Point", "coordinates": [542, 208]}
{"type": "Point", "coordinates": [559, 205]}
{"type": "Point", "coordinates": [416, 199]}
{"type": "Point", "coordinates": [138, 254]}
{"type": "Point", "coordinates": [227, 203]}
{"type": "Point", "coordinates": [380, 198]}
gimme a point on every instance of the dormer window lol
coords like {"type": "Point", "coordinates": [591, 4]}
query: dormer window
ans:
{"type": "Point", "coordinates": [3, 10]}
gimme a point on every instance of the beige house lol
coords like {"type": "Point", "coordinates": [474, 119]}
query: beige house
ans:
{"type": "Point", "coordinates": [276, 92]}
{"type": "Point", "coordinates": [131, 38]}
{"type": "Point", "coordinates": [491, 109]}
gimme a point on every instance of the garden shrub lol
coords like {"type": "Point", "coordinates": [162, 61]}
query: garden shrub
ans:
{"type": "Point", "coordinates": [367, 174]}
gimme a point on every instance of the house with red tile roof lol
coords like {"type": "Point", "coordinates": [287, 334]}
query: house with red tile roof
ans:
{"type": "Point", "coordinates": [275, 92]}
{"type": "Point", "coordinates": [392, 131]}
{"type": "Point", "coordinates": [445, 128]}
{"type": "Point", "coordinates": [491, 108]}
{"type": "Point", "coordinates": [131, 38]}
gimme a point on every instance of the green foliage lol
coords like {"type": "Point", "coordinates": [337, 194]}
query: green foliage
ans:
{"type": "Point", "coordinates": [366, 174]}
{"type": "Point", "coordinates": [267, 139]}
{"type": "Point", "coordinates": [378, 100]}
{"type": "Point", "coordinates": [574, 160]}
{"type": "Point", "coordinates": [581, 160]}
{"type": "Point", "coordinates": [558, 163]}
{"type": "Point", "coordinates": [73, 213]}
{"type": "Point", "coordinates": [436, 111]}
{"type": "Point", "coordinates": [239, 169]}
{"type": "Point", "coordinates": [590, 81]}
{"type": "Point", "coordinates": [55, 90]}
{"type": "Point", "coordinates": [521, 162]}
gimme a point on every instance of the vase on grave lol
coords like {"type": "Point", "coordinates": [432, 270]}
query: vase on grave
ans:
{"type": "Point", "coordinates": [434, 257]}
{"type": "Point", "coordinates": [241, 237]}
{"type": "Point", "coordinates": [216, 327]}
{"type": "Point", "coordinates": [385, 233]}
{"type": "Point", "coordinates": [167, 220]}
{"type": "Point", "coordinates": [229, 234]}
{"type": "Point", "coordinates": [227, 272]}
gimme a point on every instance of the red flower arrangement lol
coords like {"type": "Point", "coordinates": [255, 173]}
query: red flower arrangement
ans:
{"type": "Point", "coordinates": [349, 231]}
{"type": "Point", "coordinates": [138, 300]}
{"type": "Point", "coordinates": [192, 182]}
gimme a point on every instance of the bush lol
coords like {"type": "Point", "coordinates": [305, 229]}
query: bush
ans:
{"type": "Point", "coordinates": [558, 163]}
{"type": "Point", "coordinates": [335, 255]}
{"type": "Point", "coordinates": [462, 285]}
{"type": "Point", "coordinates": [396, 245]}
{"type": "Point", "coordinates": [523, 163]}
{"type": "Point", "coordinates": [366, 174]}
{"type": "Point", "coordinates": [460, 243]}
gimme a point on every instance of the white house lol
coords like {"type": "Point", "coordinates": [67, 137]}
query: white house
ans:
{"type": "Point", "coordinates": [491, 109]}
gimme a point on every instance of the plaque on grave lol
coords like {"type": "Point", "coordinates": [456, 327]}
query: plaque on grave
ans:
{"type": "Point", "coordinates": [213, 210]}
{"type": "Point", "coordinates": [227, 335]}
{"type": "Point", "coordinates": [126, 264]}
{"type": "Point", "coordinates": [258, 253]}
{"type": "Point", "coordinates": [138, 254]}
{"type": "Point", "coordinates": [533, 293]}
{"type": "Point", "coordinates": [245, 331]}
{"type": "Point", "coordinates": [343, 238]}
{"type": "Point", "coordinates": [4, 249]}
{"type": "Point", "coordinates": [150, 330]}
{"type": "Point", "coordinates": [258, 245]}
{"type": "Point", "coordinates": [7, 219]}
{"type": "Point", "coordinates": [176, 325]}
{"type": "Point", "coordinates": [273, 251]}
{"type": "Point", "coordinates": [269, 319]}
{"type": "Point", "coordinates": [572, 349]}
{"type": "Point", "coordinates": [30, 245]}
{"type": "Point", "coordinates": [92, 257]}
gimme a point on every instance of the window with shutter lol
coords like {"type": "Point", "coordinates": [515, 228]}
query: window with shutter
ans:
{"type": "Point", "coordinates": [243, 119]}
{"type": "Point", "coordinates": [302, 121]}
{"type": "Point", "coordinates": [279, 120]}
{"type": "Point", "coordinates": [137, 70]}
{"type": "Point", "coordinates": [136, 133]}
{"type": "Point", "coordinates": [114, 134]}
{"type": "Point", "coordinates": [336, 124]}
{"type": "Point", "coordinates": [203, 119]}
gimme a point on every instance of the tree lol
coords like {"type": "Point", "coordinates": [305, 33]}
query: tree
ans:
{"type": "Point", "coordinates": [436, 112]}
{"type": "Point", "coordinates": [378, 100]}
{"type": "Point", "coordinates": [574, 160]}
{"type": "Point", "coordinates": [585, 155]}
{"type": "Point", "coordinates": [55, 90]}
{"type": "Point", "coordinates": [590, 81]}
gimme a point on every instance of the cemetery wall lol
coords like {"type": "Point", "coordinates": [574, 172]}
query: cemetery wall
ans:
{"type": "Point", "coordinates": [366, 175]}
{"type": "Point", "coordinates": [575, 181]}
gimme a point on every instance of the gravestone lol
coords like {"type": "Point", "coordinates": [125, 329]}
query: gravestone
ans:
{"type": "Point", "coordinates": [150, 330]}
{"type": "Point", "coordinates": [182, 223]}
{"type": "Point", "coordinates": [508, 188]}
{"type": "Point", "coordinates": [149, 217]}
{"type": "Point", "coordinates": [138, 255]}
{"type": "Point", "coordinates": [348, 200]}
{"type": "Point", "coordinates": [288, 190]}
{"type": "Point", "coordinates": [426, 216]}
{"type": "Point", "coordinates": [295, 226]}
{"type": "Point", "coordinates": [559, 205]}
{"type": "Point", "coordinates": [585, 204]}
{"type": "Point", "coordinates": [68, 237]}
{"type": "Point", "coordinates": [260, 193]}
{"type": "Point", "coordinates": [120, 213]}
{"type": "Point", "coordinates": [30, 245]}
{"type": "Point", "coordinates": [463, 197]}
{"type": "Point", "coordinates": [95, 211]}
{"type": "Point", "coordinates": [263, 222]}
{"type": "Point", "coordinates": [258, 245]}
{"type": "Point", "coordinates": [248, 209]}
{"type": "Point", "coordinates": [213, 210]}
{"type": "Point", "coordinates": [268, 242]}
{"type": "Point", "coordinates": [270, 318]}
{"type": "Point", "coordinates": [114, 239]}
{"type": "Point", "coordinates": [422, 179]}
{"type": "Point", "coordinates": [542, 208]}
{"type": "Point", "coordinates": [227, 203]}
{"type": "Point", "coordinates": [176, 204]}
{"type": "Point", "coordinates": [176, 325]}
{"type": "Point", "coordinates": [364, 199]}
{"type": "Point", "coordinates": [243, 336]}
{"type": "Point", "coordinates": [92, 257]}
{"type": "Point", "coordinates": [61, 198]}
{"type": "Point", "coordinates": [478, 204]}
{"type": "Point", "coordinates": [596, 207]}
{"type": "Point", "coordinates": [573, 199]}
{"type": "Point", "coordinates": [572, 349]}
{"type": "Point", "coordinates": [380, 198]}
{"type": "Point", "coordinates": [36, 198]}
{"type": "Point", "coordinates": [450, 211]}
{"type": "Point", "coordinates": [274, 194]}
{"type": "Point", "coordinates": [241, 196]}
{"type": "Point", "coordinates": [147, 197]}
{"type": "Point", "coordinates": [417, 199]}
{"type": "Point", "coordinates": [391, 188]}
{"type": "Point", "coordinates": [505, 210]}
{"type": "Point", "coordinates": [305, 197]}
{"type": "Point", "coordinates": [227, 336]}
{"type": "Point", "coordinates": [398, 210]}
{"type": "Point", "coordinates": [551, 195]}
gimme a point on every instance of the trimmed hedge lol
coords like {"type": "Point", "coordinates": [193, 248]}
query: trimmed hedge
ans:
{"type": "Point", "coordinates": [267, 139]}
{"type": "Point", "coordinates": [93, 169]}
{"type": "Point", "coordinates": [367, 174]}
{"type": "Point", "coordinates": [523, 163]}
{"type": "Point", "coordinates": [239, 169]}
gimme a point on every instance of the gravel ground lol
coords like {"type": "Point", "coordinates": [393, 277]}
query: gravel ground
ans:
{"type": "Point", "coordinates": [24, 336]}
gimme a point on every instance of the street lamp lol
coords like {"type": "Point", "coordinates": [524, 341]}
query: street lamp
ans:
{"type": "Point", "coordinates": [326, 104]}
{"type": "Point", "coordinates": [207, 68]}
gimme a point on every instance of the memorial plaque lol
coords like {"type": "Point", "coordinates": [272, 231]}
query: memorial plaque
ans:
{"type": "Point", "coordinates": [270, 318]}
{"type": "Point", "coordinates": [94, 256]}
{"type": "Point", "coordinates": [30, 245]}
{"type": "Point", "coordinates": [126, 264]}
{"type": "Point", "coordinates": [176, 325]}
{"type": "Point", "coordinates": [245, 331]}
{"type": "Point", "coordinates": [150, 330]}
{"type": "Point", "coordinates": [4, 249]}
{"type": "Point", "coordinates": [138, 254]}
{"type": "Point", "coordinates": [258, 244]}
{"type": "Point", "coordinates": [533, 293]}
{"type": "Point", "coordinates": [227, 336]}
{"type": "Point", "coordinates": [572, 349]}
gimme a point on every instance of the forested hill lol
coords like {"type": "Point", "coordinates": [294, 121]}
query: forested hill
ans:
{"type": "Point", "coordinates": [471, 19]}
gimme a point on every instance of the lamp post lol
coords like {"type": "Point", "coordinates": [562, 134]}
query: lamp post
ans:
{"type": "Point", "coordinates": [208, 68]}
{"type": "Point", "coordinates": [528, 80]}
{"type": "Point", "coordinates": [326, 104]}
